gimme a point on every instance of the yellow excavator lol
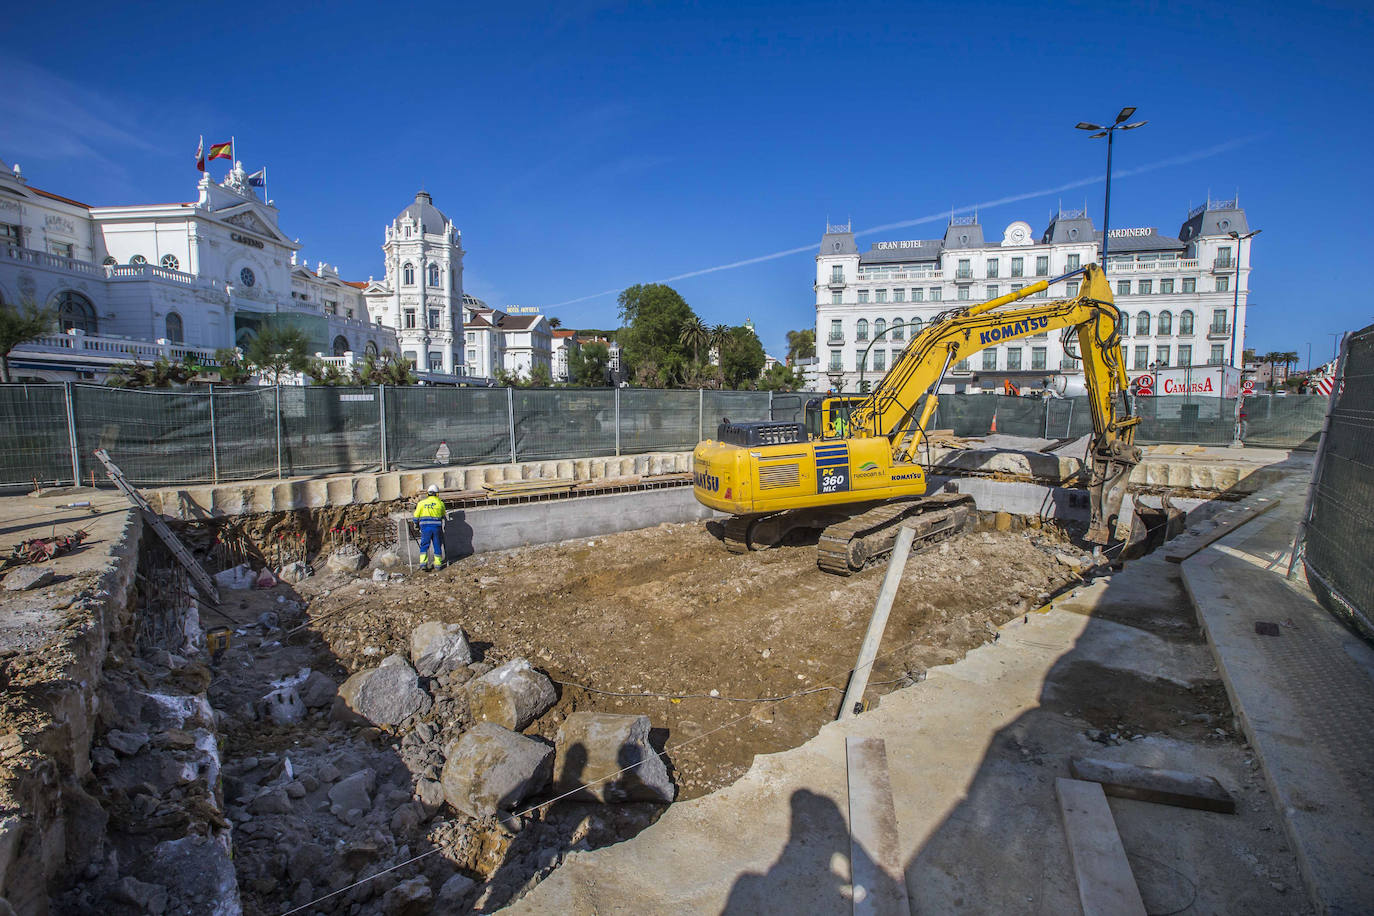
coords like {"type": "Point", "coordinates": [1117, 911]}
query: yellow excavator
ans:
{"type": "Point", "coordinates": [849, 469]}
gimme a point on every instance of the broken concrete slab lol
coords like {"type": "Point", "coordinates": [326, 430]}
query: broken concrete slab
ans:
{"type": "Point", "coordinates": [493, 769]}
{"type": "Point", "coordinates": [27, 577]}
{"type": "Point", "coordinates": [513, 695]}
{"type": "Point", "coordinates": [438, 648]}
{"type": "Point", "coordinates": [385, 695]}
{"type": "Point", "coordinates": [348, 559]}
{"type": "Point", "coordinates": [593, 749]}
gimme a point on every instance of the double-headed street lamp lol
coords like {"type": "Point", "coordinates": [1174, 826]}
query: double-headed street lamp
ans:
{"type": "Point", "coordinates": [1235, 304]}
{"type": "Point", "coordinates": [1109, 133]}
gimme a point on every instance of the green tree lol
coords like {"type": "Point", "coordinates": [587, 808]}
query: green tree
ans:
{"type": "Point", "coordinates": [695, 334]}
{"type": "Point", "coordinates": [742, 358]}
{"type": "Point", "coordinates": [19, 325]}
{"type": "Point", "coordinates": [161, 373]}
{"type": "Point", "coordinates": [233, 370]}
{"type": "Point", "coordinates": [654, 316]}
{"type": "Point", "coordinates": [782, 378]}
{"type": "Point", "coordinates": [540, 377]}
{"type": "Point", "coordinates": [323, 373]}
{"type": "Point", "coordinates": [506, 379]}
{"type": "Point", "coordinates": [276, 350]}
{"type": "Point", "coordinates": [801, 344]}
{"type": "Point", "coordinates": [387, 369]}
{"type": "Point", "coordinates": [589, 365]}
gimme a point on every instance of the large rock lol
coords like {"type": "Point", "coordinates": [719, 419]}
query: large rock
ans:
{"type": "Point", "coordinates": [492, 769]}
{"type": "Point", "coordinates": [411, 897]}
{"type": "Point", "coordinates": [26, 577]}
{"type": "Point", "coordinates": [594, 746]}
{"type": "Point", "coordinates": [318, 689]}
{"type": "Point", "coordinates": [147, 898]}
{"type": "Point", "coordinates": [385, 695]}
{"type": "Point", "coordinates": [513, 695]}
{"type": "Point", "coordinates": [347, 559]}
{"type": "Point", "coordinates": [438, 648]}
{"type": "Point", "coordinates": [354, 792]}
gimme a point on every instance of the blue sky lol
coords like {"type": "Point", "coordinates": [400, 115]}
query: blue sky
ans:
{"type": "Point", "coordinates": [585, 146]}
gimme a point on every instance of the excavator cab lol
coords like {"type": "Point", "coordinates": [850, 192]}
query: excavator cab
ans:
{"type": "Point", "coordinates": [829, 417]}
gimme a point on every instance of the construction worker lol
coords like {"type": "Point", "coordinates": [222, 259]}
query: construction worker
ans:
{"type": "Point", "coordinates": [429, 512]}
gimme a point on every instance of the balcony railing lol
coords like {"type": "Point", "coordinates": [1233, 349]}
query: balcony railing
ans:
{"type": "Point", "coordinates": [963, 274]}
{"type": "Point", "coordinates": [115, 349]}
{"type": "Point", "coordinates": [836, 337]}
{"type": "Point", "coordinates": [51, 261]}
{"type": "Point", "coordinates": [919, 273]}
{"type": "Point", "coordinates": [1066, 362]}
{"type": "Point", "coordinates": [1218, 330]}
{"type": "Point", "coordinates": [1153, 266]}
{"type": "Point", "coordinates": [1224, 264]}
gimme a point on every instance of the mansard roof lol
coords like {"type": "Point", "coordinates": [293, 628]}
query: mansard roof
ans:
{"type": "Point", "coordinates": [425, 213]}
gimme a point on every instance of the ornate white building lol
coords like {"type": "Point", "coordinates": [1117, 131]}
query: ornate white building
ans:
{"type": "Point", "coordinates": [1176, 293]}
{"type": "Point", "coordinates": [421, 294]}
{"type": "Point", "coordinates": [149, 280]}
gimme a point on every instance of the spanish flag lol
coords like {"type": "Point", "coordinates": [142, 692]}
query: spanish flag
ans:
{"type": "Point", "coordinates": [221, 150]}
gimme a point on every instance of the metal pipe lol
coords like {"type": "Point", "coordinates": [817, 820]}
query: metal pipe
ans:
{"type": "Point", "coordinates": [617, 421]}
{"type": "Point", "coordinates": [858, 679]}
{"type": "Point", "coordinates": [381, 417]}
{"type": "Point", "coordinates": [277, 390]}
{"type": "Point", "coordinates": [510, 416]}
{"type": "Point", "coordinates": [71, 434]}
{"type": "Point", "coordinates": [214, 441]}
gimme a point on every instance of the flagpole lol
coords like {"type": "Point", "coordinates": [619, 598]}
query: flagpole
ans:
{"type": "Point", "coordinates": [233, 152]}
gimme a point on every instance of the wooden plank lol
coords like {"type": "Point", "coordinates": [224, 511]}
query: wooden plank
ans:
{"type": "Point", "coordinates": [1228, 521]}
{"type": "Point", "coordinates": [868, 652]}
{"type": "Point", "coordinates": [875, 855]}
{"type": "Point", "coordinates": [1164, 787]}
{"type": "Point", "coordinates": [1106, 886]}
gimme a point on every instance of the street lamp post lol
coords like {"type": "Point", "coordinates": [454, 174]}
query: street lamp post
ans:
{"type": "Point", "coordinates": [1109, 133]}
{"type": "Point", "coordinates": [1235, 304]}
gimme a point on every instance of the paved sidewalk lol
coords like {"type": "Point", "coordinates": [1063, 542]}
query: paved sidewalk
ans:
{"type": "Point", "coordinates": [1304, 694]}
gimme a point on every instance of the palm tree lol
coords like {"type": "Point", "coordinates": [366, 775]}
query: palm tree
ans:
{"type": "Point", "coordinates": [720, 339]}
{"type": "Point", "coordinates": [694, 334]}
{"type": "Point", "coordinates": [20, 325]}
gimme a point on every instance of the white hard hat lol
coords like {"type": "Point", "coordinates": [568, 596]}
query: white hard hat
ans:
{"type": "Point", "coordinates": [433, 488]}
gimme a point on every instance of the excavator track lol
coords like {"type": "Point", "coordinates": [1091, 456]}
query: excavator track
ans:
{"type": "Point", "coordinates": [864, 540]}
{"type": "Point", "coordinates": [737, 533]}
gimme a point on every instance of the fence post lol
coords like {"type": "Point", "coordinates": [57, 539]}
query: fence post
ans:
{"type": "Point", "coordinates": [381, 430]}
{"type": "Point", "coordinates": [770, 403]}
{"type": "Point", "coordinates": [277, 390]}
{"type": "Point", "coordinates": [617, 421]}
{"type": "Point", "coordinates": [71, 434]}
{"type": "Point", "coordinates": [510, 415]}
{"type": "Point", "coordinates": [1046, 403]}
{"type": "Point", "coordinates": [1300, 536]}
{"type": "Point", "coordinates": [214, 441]}
{"type": "Point", "coordinates": [701, 414]}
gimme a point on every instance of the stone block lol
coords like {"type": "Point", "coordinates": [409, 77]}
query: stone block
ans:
{"type": "Point", "coordinates": [27, 577]}
{"type": "Point", "coordinates": [347, 559]}
{"type": "Point", "coordinates": [593, 748]}
{"type": "Point", "coordinates": [493, 769]}
{"type": "Point", "coordinates": [513, 695]}
{"type": "Point", "coordinates": [385, 695]}
{"type": "Point", "coordinates": [438, 648]}
{"type": "Point", "coordinates": [354, 791]}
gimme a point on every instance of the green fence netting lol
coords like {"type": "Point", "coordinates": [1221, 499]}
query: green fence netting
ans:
{"type": "Point", "coordinates": [1294, 421]}
{"type": "Point", "coordinates": [430, 426]}
{"type": "Point", "coordinates": [155, 437]}
{"type": "Point", "coordinates": [34, 443]}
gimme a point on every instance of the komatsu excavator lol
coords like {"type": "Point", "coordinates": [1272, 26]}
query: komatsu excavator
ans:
{"type": "Point", "coordinates": [850, 470]}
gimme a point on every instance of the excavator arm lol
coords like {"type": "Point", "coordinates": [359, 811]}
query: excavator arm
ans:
{"type": "Point", "coordinates": [902, 404]}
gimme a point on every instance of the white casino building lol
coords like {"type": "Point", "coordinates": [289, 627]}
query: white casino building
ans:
{"type": "Point", "coordinates": [1176, 293]}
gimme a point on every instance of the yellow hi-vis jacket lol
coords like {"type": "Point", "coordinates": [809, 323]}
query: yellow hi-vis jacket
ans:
{"type": "Point", "coordinates": [430, 509]}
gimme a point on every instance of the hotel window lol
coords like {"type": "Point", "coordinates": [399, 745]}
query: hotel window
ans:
{"type": "Point", "coordinates": [880, 295]}
{"type": "Point", "coordinates": [176, 332]}
{"type": "Point", "coordinates": [1216, 358]}
{"type": "Point", "coordinates": [863, 295]}
{"type": "Point", "coordinates": [1123, 324]}
{"type": "Point", "coordinates": [434, 275]}
{"type": "Point", "coordinates": [961, 366]}
{"type": "Point", "coordinates": [409, 318]}
{"type": "Point", "coordinates": [916, 326]}
{"type": "Point", "coordinates": [963, 293]}
{"type": "Point", "coordinates": [899, 295]}
{"type": "Point", "coordinates": [992, 290]}
{"type": "Point", "coordinates": [1142, 324]}
{"type": "Point", "coordinates": [1074, 262]}
{"type": "Point", "coordinates": [1042, 265]}
{"type": "Point", "coordinates": [1042, 294]}
{"type": "Point", "coordinates": [1224, 256]}
{"type": "Point", "coordinates": [879, 328]}
{"type": "Point", "coordinates": [348, 313]}
{"type": "Point", "coordinates": [1146, 287]}
{"type": "Point", "coordinates": [1219, 325]}
{"type": "Point", "coordinates": [1166, 324]}
{"type": "Point", "coordinates": [434, 318]}
{"type": "Point", "coordinates": [897, 329]}
{"type": "Point", "coordinates": [472, 357]}
{"type": "Point", "coordinates": [879, 360]}
{"type": "Point", "coordinates": [1190, 284]}
{"type": "Point", "coordinates": [1038, 357]}
{"type": "Point", "coordinates": [989, 360]}
{"type": "Point", "coordinates": [10, 234]}
{"type": "Point", "coordinates": [1071, 288]}
{"type": "Point", "coordinates": [1142, 358]}
{"type": "Point", "coordinates": [1162, 355]}
{"type": "Point", "coordinates": [1016, 286]}
{"type": "Point", "coordinates": [169, 261]}
{"type": "Point", "coordinates": [835, 360]}
{"type": "Point", "coordinates": [408, 274]}
{"type": "Point", "coordinates": [436, 361]}
{"type": "Point", "coordinates": [1185, 355]}
{"type": "Point", "coordinates": [410, 355]}
{"type": "Point", "coordinates": [992, 268]}
{"type": "Point", "coordinates": [1166, 286]}
{"type": "Point", "coordinates": [936, 294]}
{"type": "Point", "coordinates": [138, 260]}
{"type": "Point", "coordinates": [836, 273]}
{"type": "Point", "coordinates": [1013, 359]}
{"type": "Point", "coordinates": [62, 249]}
{"type": "Point", "coordinates": [836, 330]}
{"type": "Point", "coordinates": [1223, 284]}
{"type": "Point", "coordinates": [75, 312]}
{"type": "Point", "coordinates": [861, 329]}
{"type": "Point", "coordinates": [1018, 267]}
{"type": "Point", "coordinates": [1123, 287]}
{"type": "Point", "coordinates": [918, 295]}
{"type": "Point", "coordinates": [108, 262]}
{"type": "Point", "coordinates": [964, 271]}
{"type": "Point", "coordinates": [472, 336]}
{"type": "Point", "coordinates": [1185, 323]}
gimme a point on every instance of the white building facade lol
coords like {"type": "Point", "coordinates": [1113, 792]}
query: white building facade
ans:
{"type": "Point", "coordinates": [1176, 294]}
{"type": "Point", "coordinates": [175, 280]}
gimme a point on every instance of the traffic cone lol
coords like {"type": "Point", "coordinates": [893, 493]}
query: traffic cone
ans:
{"type": "Point", "coordinates": [994, 423]}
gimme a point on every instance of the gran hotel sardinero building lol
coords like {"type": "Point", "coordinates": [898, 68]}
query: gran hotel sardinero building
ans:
{"type": "Point", "coordinates": [1175, 293]}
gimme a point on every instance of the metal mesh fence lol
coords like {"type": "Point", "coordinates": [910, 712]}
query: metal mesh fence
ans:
{"type": "Point", "coordinates": [200, 435]}
{"type": "Point", "coordinates": [1340, 526]}
{"type": "Point", "coordinates": [34, 444]}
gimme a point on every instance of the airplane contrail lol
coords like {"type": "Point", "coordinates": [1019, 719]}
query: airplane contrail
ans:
{"type": "Point", "coordinates": [944, 214]}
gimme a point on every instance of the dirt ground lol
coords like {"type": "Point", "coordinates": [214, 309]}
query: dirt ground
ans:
{"type": "Point", "coordinates": [666, 623]}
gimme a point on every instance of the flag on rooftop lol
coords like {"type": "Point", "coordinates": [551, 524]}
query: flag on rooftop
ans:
{"type": "Point", "coordinates": [258, 179]}
{"type": "Point", "coordinates": [221, 150]}
{"type": "Point", "coordinates": [200, 155]}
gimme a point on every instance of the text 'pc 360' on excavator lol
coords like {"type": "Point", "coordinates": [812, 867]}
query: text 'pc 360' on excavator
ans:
{"type": "Point", "coordinates": [850, 471]}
